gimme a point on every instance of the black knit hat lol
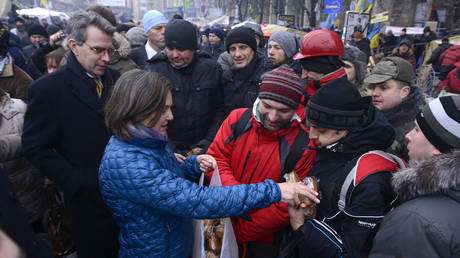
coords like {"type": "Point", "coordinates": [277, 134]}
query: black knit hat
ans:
{"type": "Point", "coordinates": [51, 29]}
{"type": "Point", "coordinates": [37, 29]}
{"type": "Point", "coordinates": [242, 35]}
{"type": "Point", "coordinates": [336, 105]}
{"type": "Point", "coordinates": [181, 34]}
{"type": "Point", "coordinates": [322, 64]}
{"type": "Point", "coordinates": [282, 85]}
{"type": "Point", "coordinates": [440, 123]}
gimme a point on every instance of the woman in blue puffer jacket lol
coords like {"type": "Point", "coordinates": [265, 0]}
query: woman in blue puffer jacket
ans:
{"type": "Point", "coordinates": [149, 193]}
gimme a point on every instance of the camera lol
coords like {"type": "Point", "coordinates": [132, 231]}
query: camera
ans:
{"type": "Point", "coordinates": [62, 36]}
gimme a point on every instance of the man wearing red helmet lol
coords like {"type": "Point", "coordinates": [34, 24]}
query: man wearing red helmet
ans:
{"type": "Point", "coordinates": [319, 57]}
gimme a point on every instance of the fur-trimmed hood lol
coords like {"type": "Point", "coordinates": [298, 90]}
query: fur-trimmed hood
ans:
{"type": "Point", "coordinates": [440, 174]}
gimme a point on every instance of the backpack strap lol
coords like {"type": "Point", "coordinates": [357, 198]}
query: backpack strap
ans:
{"type": "Point", "coordinates": [240, 127]}
{"type": "Point", "coordinates": [368, 164]}
{"type": "Point", "coordinates": [295, 151]}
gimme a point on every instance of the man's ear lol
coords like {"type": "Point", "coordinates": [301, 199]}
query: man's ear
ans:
{"type": "Point", "coordinates": [73, 46]}
{"type": "Point", "coordinates": [405, 91]}
{"type": "Point", "coordinates": [436, 152]}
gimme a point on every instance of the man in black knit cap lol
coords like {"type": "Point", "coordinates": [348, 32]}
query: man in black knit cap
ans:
{"type": "Point", "coordinates": [345, 128]}
{"type": "Point", "coordinates": [196, 89]}
{"type": "Point", "coordinates": [241, 82]}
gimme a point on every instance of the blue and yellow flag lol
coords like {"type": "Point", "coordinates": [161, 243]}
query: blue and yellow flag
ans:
{"type": "Point", "coordinates": [44, 3]}
{"type": "Point", "coordinates": [364, 6]}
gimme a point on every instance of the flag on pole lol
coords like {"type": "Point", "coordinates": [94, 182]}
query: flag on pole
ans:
{"type": "Point", "coordinates": [364, 6]}
{"type": "Point", "coordinates": [44, 2]}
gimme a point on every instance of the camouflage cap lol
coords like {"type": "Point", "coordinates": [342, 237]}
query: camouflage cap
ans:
{"type": "Point", "coordinates": [391, 68]}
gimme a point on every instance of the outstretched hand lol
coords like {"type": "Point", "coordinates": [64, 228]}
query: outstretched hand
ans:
{"type": "Point", "coordinates": [206, 162]}
{"type": "Point", "coordinates": [290, 193]}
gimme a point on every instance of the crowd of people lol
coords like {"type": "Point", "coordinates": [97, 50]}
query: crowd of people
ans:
{"type": "Point", "coordinates": [105, 129]}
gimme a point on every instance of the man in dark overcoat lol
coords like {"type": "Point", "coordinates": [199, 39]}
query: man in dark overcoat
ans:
{"type": "Point", "coordinates": [65, 135]}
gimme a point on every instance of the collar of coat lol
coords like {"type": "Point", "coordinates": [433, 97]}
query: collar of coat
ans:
{"type": "Point", "coordinates": [438, 175]}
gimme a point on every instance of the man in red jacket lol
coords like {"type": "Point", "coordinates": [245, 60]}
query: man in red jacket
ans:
{"type": "Point", "coordinates": [263, 150]}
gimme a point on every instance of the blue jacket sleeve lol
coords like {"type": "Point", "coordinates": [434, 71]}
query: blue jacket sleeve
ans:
{"type": "Point", "coordinates": [191, 168]}
{"type": "Point", "coordinates": [149, 184]}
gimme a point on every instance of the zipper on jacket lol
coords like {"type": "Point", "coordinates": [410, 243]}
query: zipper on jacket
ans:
{"type": "Point", "coordinates": [245, 163]}
{"type": "Point", "coordinates": [252, 174]}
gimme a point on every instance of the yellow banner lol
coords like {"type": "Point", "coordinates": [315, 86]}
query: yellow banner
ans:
{"type": "Point", "coordinates": [380, 17]}
{"type": "Point", "coordinates": [44, 2]}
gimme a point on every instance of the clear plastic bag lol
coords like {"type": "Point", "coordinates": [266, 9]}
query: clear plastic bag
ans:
{"type": "Point", "coordinates": [229, 247]}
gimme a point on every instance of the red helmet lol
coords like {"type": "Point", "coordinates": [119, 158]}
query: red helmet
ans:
{"type": "Point", "coordinates": [320, 43]}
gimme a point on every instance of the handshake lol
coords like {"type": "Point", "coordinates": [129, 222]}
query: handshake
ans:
{"type": "Point", "coordinates": [300, 194]}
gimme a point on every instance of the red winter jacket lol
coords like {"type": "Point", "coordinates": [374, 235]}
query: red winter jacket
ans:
{"type": "Point", "coordinates": [450, 56]}
{"type": "Point", "coordinates": [252, 158]}
{"type": "Point", "coordinates": [314, 85]}
{"type": "Point", "coordinates": [452, 80]}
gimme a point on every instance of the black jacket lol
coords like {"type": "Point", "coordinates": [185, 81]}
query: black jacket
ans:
{"type": "Point", "coordinates": [14, 222]}
{"type": "Point", "coordinates": [197, 100]}
{"type": "Point", "coordinates": [64, 136]}
{"type": "Point", "coordinates": [371, 198]}
{"type": "Point", "coordinates": [426, 224]}
{"type": "Point", "coordinates": [241, 86]}
{"type": "Point", "coordinates": [214, 50]}
{"type": "Point", "coordinates": [139, 56]}
{"type": "Point", "coordinates": [434, 59]}
{"type": "Point", "coordinates": [402, 119]}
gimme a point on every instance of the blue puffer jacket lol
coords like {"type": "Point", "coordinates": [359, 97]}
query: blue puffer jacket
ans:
{"type": "Point", "coordinates": [153, 201]}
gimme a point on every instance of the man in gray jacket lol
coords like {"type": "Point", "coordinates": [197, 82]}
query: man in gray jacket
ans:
{"type": "Point", "coordinates": [426, 223]}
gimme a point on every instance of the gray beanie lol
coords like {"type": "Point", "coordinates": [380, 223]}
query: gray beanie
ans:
{"type": "Point", "coordinates": [359, 59]}
{"type": "Point", "coordinates": [287, 41]}
{"type": "Point", "coordinates": [136, 36]}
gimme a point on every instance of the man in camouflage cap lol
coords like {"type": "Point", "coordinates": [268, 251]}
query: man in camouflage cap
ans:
{"type": "Point", "coordinates": [393, 92]}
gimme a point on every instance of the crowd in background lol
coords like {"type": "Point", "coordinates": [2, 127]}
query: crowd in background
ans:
{"type": "Point", "coordinates": [105, 128]}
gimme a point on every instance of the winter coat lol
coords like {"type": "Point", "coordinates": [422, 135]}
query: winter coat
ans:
{"type": "Point", "coordinates": [402, 119]}
{"type": "Point", "coordinates": [241, 86]}
{"type": "Point", "coordinates": [13, 222]}
{"type": "Point", "coordinates": [252, 158]}
{"type": "Point", "coordinates": [197, 97]}
{"type": "Point", "coordinates": [64, 137]}
{"type": "Point", "coordinates": [26, 179]}
{"type": "Point", "coordinates": [426, 224]}
{"type": "Point", "coordinates": [368, 202]}
{"type": "Point", "coordinates": [365, 46]}
{"type": "Point", "coordinates": [214, 50]}
{"type": "Point", "coordinates": [450, 56]}
{"type": "Point", "coordinates": [28, 51]}
{"type": "Point", "coordinates": [139, 56]}
{"type": "Point", "coordinates": [409, 56]}
{"type": "Point", "coordinates": [389, 42]}
{"type": "Point", "coordinates": [119, 59]}
{"type": "Point", "coordinates": [15, 81]}
{"type": "Point", "coordinates": [435, 56]}
{"type": "Point", "coordinates": [452, 81]}
{"type": "Point", "coordinates": [153, 198]}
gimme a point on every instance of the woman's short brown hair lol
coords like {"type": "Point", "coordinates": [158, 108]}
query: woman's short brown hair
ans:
{"type": "Point", "coordinates": [136, 95]}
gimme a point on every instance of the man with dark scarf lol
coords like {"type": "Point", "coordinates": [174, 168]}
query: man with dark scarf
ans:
{"type": "Point", "coordinates": [241, 82]}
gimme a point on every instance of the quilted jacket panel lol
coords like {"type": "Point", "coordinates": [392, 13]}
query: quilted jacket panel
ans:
{"type": "Point", "coordinates": [153, 200]}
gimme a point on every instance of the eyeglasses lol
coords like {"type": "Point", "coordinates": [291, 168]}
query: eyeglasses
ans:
{"type": "Point", "coordinates": [100, 51]}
